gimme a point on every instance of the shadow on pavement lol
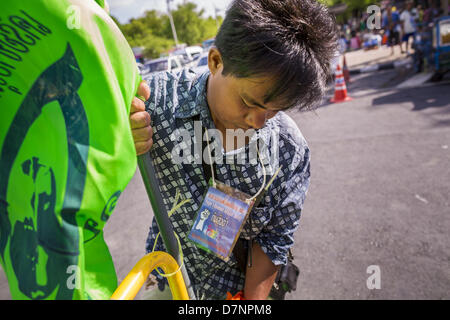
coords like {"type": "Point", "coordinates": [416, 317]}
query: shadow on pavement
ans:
{"type": "Point", "coordinates": [421, 97]}
{"type": "Point", "coordinates": [369, 83]}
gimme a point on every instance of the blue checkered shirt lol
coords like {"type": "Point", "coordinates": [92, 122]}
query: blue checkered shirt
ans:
{"type": "Point", "coordinates": [175, 100]}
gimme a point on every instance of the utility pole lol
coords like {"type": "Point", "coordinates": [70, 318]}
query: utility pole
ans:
{"type": "Point", "coordinates": [215, 12]}
{"type": "Point", "coordinates": [172, 24]}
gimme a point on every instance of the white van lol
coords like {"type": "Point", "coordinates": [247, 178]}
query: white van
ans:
{"type": "Point", "coordinates": [190, 54]}
{"type": "Point", "coordinates": [171, 64]}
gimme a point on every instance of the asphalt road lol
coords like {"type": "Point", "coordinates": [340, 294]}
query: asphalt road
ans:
{"type": "Point", "coordinates": [379, 196]}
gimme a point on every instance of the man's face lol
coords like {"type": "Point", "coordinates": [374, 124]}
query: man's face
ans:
{"type": "Point", "coordinates": [238, 103]}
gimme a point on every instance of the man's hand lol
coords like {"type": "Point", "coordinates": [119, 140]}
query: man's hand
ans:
{"type": "Point", "coordinates": [140, 121]}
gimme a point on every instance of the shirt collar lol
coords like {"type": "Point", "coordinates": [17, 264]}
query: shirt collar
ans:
{"type": "Point", "coordinates": [195, 102]}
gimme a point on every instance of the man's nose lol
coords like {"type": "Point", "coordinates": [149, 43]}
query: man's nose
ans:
{"type": "Point", "coordinates": [257, 119]}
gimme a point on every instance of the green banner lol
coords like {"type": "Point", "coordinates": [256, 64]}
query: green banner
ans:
{"type": "Point", "coordinates": [67, 79]}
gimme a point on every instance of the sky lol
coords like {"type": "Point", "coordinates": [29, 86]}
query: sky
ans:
{"type": "Point", "coordinates": [123, 10]}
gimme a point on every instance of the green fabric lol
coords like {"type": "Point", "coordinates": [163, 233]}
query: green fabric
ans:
{"type": "Point", "coordinates": [67, 79]}
{"type": "Point", "coordinates": [101, 3]}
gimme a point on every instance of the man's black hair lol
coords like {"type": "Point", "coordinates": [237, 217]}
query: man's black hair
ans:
{"type": "Point", "coordinates": [291, 40]}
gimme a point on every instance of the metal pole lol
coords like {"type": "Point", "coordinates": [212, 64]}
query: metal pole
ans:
{"type": "Point", "coordinates": [148, 174]}
{"type": "Point", "coordinates": [172, 24]}
{"type": "Point", "coordinates": [215, 14]}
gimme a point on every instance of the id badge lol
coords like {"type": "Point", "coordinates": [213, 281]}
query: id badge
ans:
{"type": "Point", "coordinates": [220, 219]}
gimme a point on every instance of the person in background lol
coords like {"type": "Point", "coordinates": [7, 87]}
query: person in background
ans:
{"type": "Point", "coordinates": [422, 49]}
{"type": "Point", "coordinates": [342, 44]}
{"type": "Point", "coordinates": [355, 43]}
{"type": "Point", "coordinates": [391, 23]}
{"type": "Point", "coordinates": [408, 25]}
{"type": "Point", "coordinates": [420, 13]}
{"type": "Point", "coordinates": [414, 13]}
{"type": "Point", "coordinates": [431, 13]}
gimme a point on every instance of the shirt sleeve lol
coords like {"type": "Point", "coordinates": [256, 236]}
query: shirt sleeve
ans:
{"type": "Point", "coordinates": [277, 237]}
{"type": "Point", "coordinates": [153, 101]}
{"type": "Point", "coordinates": [164, 92]}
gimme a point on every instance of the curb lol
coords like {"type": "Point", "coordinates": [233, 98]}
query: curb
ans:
{"type": "Point", "coordinates": [382, 66]}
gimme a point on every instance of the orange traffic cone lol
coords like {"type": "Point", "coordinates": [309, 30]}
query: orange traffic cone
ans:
{"type": "Point", "coordinates": [340, 89]}
{"type": "Point", "coordinates": [346, 71]}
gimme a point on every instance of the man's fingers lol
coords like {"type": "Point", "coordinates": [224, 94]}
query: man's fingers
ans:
{"type": "Point", "coordinates": [137, 105]}
{"type": "Point", "coordinates": [143, 146]}
{"type": "Point", "coordinates": [143, 90]}
{"type": "Point", "coordinates": [142, 134]}
{"type": "Point", "coordinates": [140, 120]}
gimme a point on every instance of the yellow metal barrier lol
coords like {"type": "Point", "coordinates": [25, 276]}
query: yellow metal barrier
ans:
{"type": "Point", "coordinates": [134, 281]}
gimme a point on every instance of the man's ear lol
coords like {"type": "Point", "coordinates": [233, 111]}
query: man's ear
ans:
{"type": "Point", "coordinates": [215, 62]}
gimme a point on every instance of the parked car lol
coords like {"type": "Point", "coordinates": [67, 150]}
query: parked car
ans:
{"type": "Point", "coordinates": [189, 55]}
{"type": "Point", "coordinates": [208, 43]}
{"type": "Point", "coordinates": [141, 67]}
{"type": "Point", "coordinates": [171, 64]}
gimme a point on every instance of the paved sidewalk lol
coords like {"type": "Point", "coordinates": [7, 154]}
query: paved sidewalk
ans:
{"type": "Point", "coordinates": [361, 58]}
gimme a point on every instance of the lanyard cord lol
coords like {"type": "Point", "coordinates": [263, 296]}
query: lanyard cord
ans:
{"type": "Point", "coordinates": [210, 160]}
{"type": "Point", "coordinates": [259, 158]}
{"type": "Point", "coordinates": [256, 198]}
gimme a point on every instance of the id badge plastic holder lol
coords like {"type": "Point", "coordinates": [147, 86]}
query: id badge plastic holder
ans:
{"type": "Point", "coordinates": [220, 219]}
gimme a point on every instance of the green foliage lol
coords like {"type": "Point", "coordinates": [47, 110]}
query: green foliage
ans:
{"type": "Point", "coordinates": [154, 33]}
{"type": "Point", "coordinates": [353, 5]}
{"type": "Point", "coordinates": [154, 45]}
{"type": "Point", "coordinates": [189, 23]}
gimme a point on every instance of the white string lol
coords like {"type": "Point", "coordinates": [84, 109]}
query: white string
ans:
{"type": "Point", "coordinates": [210, 160]}
{"type": "Point", "coordinates": [264, 175]}
{"type": "Point", "coordinates": [168, 275]}
{"type": "Point", "coordinates": [273, 178]}
{"type": "Point", "coordinates": [259, 158]}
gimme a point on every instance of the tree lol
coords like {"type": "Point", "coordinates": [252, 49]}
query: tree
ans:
{"type": "Point", "coordinates": [189, 23]}
{"type": "Point", "coordinates": [154, 45]}
{"type": "Point", "coordinates": [211, 27]}
{"type": "Point", "coordinates": [353, 5]}
{"type": "Point", "coordinates": [153, 32]}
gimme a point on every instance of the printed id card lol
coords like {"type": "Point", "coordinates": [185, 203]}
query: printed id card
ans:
{"type": "Point", "coordinates": [220, 220]}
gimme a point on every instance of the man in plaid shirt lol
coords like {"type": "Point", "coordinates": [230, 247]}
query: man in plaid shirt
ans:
{"type": "Point", "coordinates": [270, 56]}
